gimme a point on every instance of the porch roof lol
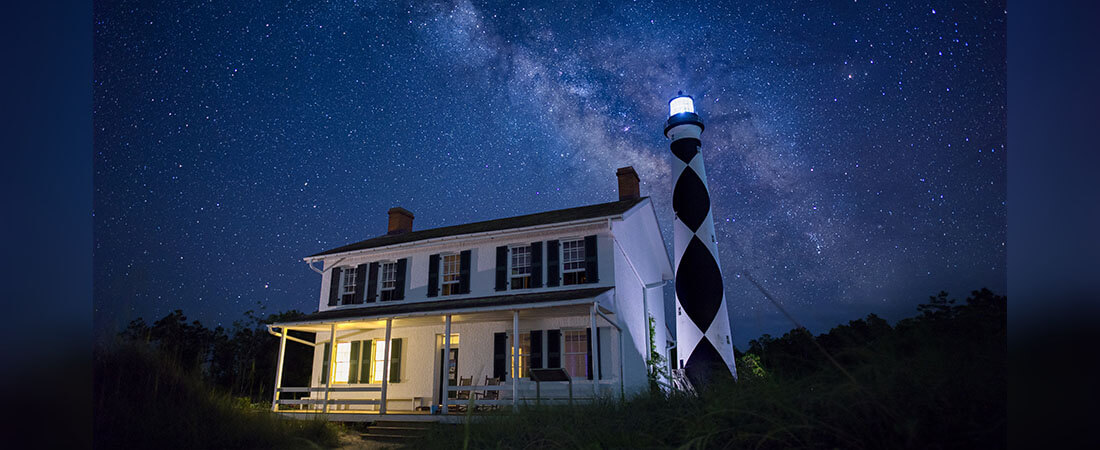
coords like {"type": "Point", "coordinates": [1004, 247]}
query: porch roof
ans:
{"type": "Point", "coordinates": [450, 306]}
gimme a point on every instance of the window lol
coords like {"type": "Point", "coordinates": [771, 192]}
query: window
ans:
{"type": "Point", "coordinates": [572, 262]}
{"type": "Point", "coordinates": [521, 267]}
{"type": "Point", "coordinates": [451, 266]}
{"type": "Point", "coordinates": [524, 355]}
{"type": "Point", "coordinates": [347, 286]}
{"type": "Point", "coordinates": [575, 356]}
{"type": "Point", "coordinates": [343, 362]}
{"type": "Point", "coordinates": [378, 361]}
{"type": "Point", "coordinates": [389, 280]}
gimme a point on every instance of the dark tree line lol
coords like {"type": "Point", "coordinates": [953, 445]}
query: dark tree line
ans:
{"type": "Point", "coordinates": [976, 326]}
{"type": "Point", "coordinates": [241, 360]}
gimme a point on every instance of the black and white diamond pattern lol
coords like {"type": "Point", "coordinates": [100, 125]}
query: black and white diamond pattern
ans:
{"type": "Point", "coordinates": [702, 324]}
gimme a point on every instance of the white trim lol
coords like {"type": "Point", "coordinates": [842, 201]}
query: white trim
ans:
{"type": "Point", "coordinates": [463, 311]}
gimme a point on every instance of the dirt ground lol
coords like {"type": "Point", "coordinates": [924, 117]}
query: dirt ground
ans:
{"type": "Point", "coordinates": [351, 440]}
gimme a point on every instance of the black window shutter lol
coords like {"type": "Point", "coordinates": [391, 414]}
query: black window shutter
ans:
{"type": "Point", "coordinates": [399, 279]}
{"type": "Point", "coordinates": [464, 272]}
{"type": "Point", "coordinates": [325, 362]}
{"type": "Point", "coordinates": [500, 356]}
{"type": "Point", "coordinates": [360, 283]}
{"type": "Point", "coordinates": [353, 365]}
{"type": "Point", "coordinates": [591, 267]}
{"type": "Point", "coordinates": [395, 360]}
{"type": "Point", "coordinates": [553, 276]}
{"type": "Point", "coordinates": [588, 355]}
{"type": "Point", "coordinates": [536, 349]}
{"type": "Point", "coordinates": [599, 353]}
{"type": "Point", "coordinates": [334, 286]}
{"type": "Point", "coordinates": [433, 275]}
{"type": "Point", "coordinates": [372, 283]}
{"type": "Point", "coordinates": [536, 264]}
{"type": "Point", "coordinates": [502, 268]}
{"type": "Point", "coordinates": [553, 349]}
{"type": "Point", "coordinates": [364, 366]}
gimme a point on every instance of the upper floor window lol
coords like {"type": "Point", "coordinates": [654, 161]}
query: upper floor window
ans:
{"type": "Point", "coordinates": [389, 281]}
{"type": "Point", "coordinates": [521, 267]}
{"type": "Point", "coordinates": [347, 286]}
{"type": "Point", "coordinates": [451, 274]}
{"type": "Point", "coordinates": [572, 262]}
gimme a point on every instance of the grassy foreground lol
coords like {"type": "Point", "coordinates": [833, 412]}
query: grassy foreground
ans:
{"type": "Point", "coordinates": [934, 381]}
{"type": "Point", "coordinates": [146, 400]}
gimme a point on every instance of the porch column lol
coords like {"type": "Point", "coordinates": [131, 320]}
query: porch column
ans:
{"type": "Point", "coordinates": [515, 359]}
{"type": "Point", "coordinates": [279, 371]}
{"type": "Point", "coordinates": [331, 363]}
{"type": "Point", "coordinates": [595, 352]}
{"type": "Point", "coordinates": [386, 368]}
{"type": "Point", "coordinates": [446, 362]}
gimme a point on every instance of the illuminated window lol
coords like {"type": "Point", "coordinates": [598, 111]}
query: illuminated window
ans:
{"type": "Point", "coordinates": [347, 285]}
{"type": "Point", "coordinates": [575, 354]}
{"type": "Point", "coordinates": [521, 267]}
{"type": "Point", "coordinates": [680, 105]}
{"type": "Point", "coordinates": [378, 361]}
{"type": "Point", "coordinates": [389, 280]}
{"type": "Point", "coordinates": [451, 275]}
{"type": "Point", "coordinates": [524, 355]}
{"type": "Point", "coordinates": [343, 362]}
{"type": "Point", "coordinates": [572, 262]}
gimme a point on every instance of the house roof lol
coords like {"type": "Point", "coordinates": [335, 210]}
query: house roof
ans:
{"type": "Point", "coordinates": [451, 306]}
{"type": "Point", "coordinates": [529, 220]}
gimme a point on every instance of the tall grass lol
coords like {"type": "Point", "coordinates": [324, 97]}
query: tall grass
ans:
{"type": "Point", "coordinates": [931, 382]}
{"type": "Point", "coordinates": [146, 400]}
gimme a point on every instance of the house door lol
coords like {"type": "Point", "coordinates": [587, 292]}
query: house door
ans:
{"type": "Point", "coordinates": [448, 373]}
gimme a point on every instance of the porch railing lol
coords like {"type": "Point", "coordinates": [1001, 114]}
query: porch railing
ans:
{"type": "Point", "coordinates": [331, 401]}
{"type": "Point", "coordinates": [528, 393]}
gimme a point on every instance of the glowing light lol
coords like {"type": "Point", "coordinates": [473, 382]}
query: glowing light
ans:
{"type": "Point", "coordinates": [680, 105]}
{"type": "Point", "coordinates": [343, 358]}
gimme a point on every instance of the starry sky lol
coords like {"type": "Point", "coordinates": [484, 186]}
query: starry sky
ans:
{"type": "Point", "coordinates": [855, 150]}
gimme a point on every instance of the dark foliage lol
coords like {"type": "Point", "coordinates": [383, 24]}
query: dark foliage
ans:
{"type": "Point", "coordinates": [240, 361]}
{"type": "Point", "coordinates": [144, 398]}
{"type": "Point", "coordinates": [937, 380]}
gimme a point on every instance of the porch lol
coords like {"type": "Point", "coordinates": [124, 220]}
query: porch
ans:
{"type": "Point", "coordinates": [419, 361]}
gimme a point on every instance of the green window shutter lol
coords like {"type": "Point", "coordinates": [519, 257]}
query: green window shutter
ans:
{"type": "Point", "coordinates": [433, 275]}
{"type": "Point", "coordinates": [395, 360]}
{"type": "Point", "coordinates": [334, 286]}
{"type": "Point", "coordinates": [353, 365]}
{"type": "Point", "coordinates": [553, 276]}
{"type": "Point", "coordinates": [553, 348]}
{"type": "Point", "coordinates": [364, 366]}
{"type": "Point", "coordinates": [372, 282]}
{"type": "Point", "coordinates": [536, 264]}
{"type": "Point", "coordinates": [591, 261]}
{"type": "Point", "coordinates": [325, 363]}
{"type": "Point", "coordinates": [502, 268]}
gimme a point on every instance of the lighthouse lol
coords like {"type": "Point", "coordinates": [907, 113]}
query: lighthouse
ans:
{"type": "Point", "coordinates": [703, 340]}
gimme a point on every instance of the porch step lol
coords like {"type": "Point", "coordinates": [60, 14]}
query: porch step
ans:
{"type": "Point", "coordinates": [395, 431]}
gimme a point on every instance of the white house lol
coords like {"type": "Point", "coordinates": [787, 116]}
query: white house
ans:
{"type": "Point", "coordinates": [571, 288]}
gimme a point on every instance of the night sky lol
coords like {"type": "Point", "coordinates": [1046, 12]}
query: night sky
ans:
{"type": "Point", "coordinates": [855, 150]}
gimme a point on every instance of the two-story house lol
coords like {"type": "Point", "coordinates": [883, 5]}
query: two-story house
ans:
{"type": "Point", "coordinates": [413, 322]}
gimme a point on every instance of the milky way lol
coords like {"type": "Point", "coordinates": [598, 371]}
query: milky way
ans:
{"type": "Point", "coordinates": [855, 151]}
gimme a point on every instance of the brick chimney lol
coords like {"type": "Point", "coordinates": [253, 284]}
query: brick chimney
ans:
{"type": "Point", "coordinates": [628, 183]}
{"type": "Point", "coordinates": [401, 221]}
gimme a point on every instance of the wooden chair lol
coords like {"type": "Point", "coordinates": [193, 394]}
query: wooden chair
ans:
{"type": "Point", "coordinates": [462, 398]}
{"type": "Point", "coordinates": [489, 394]}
